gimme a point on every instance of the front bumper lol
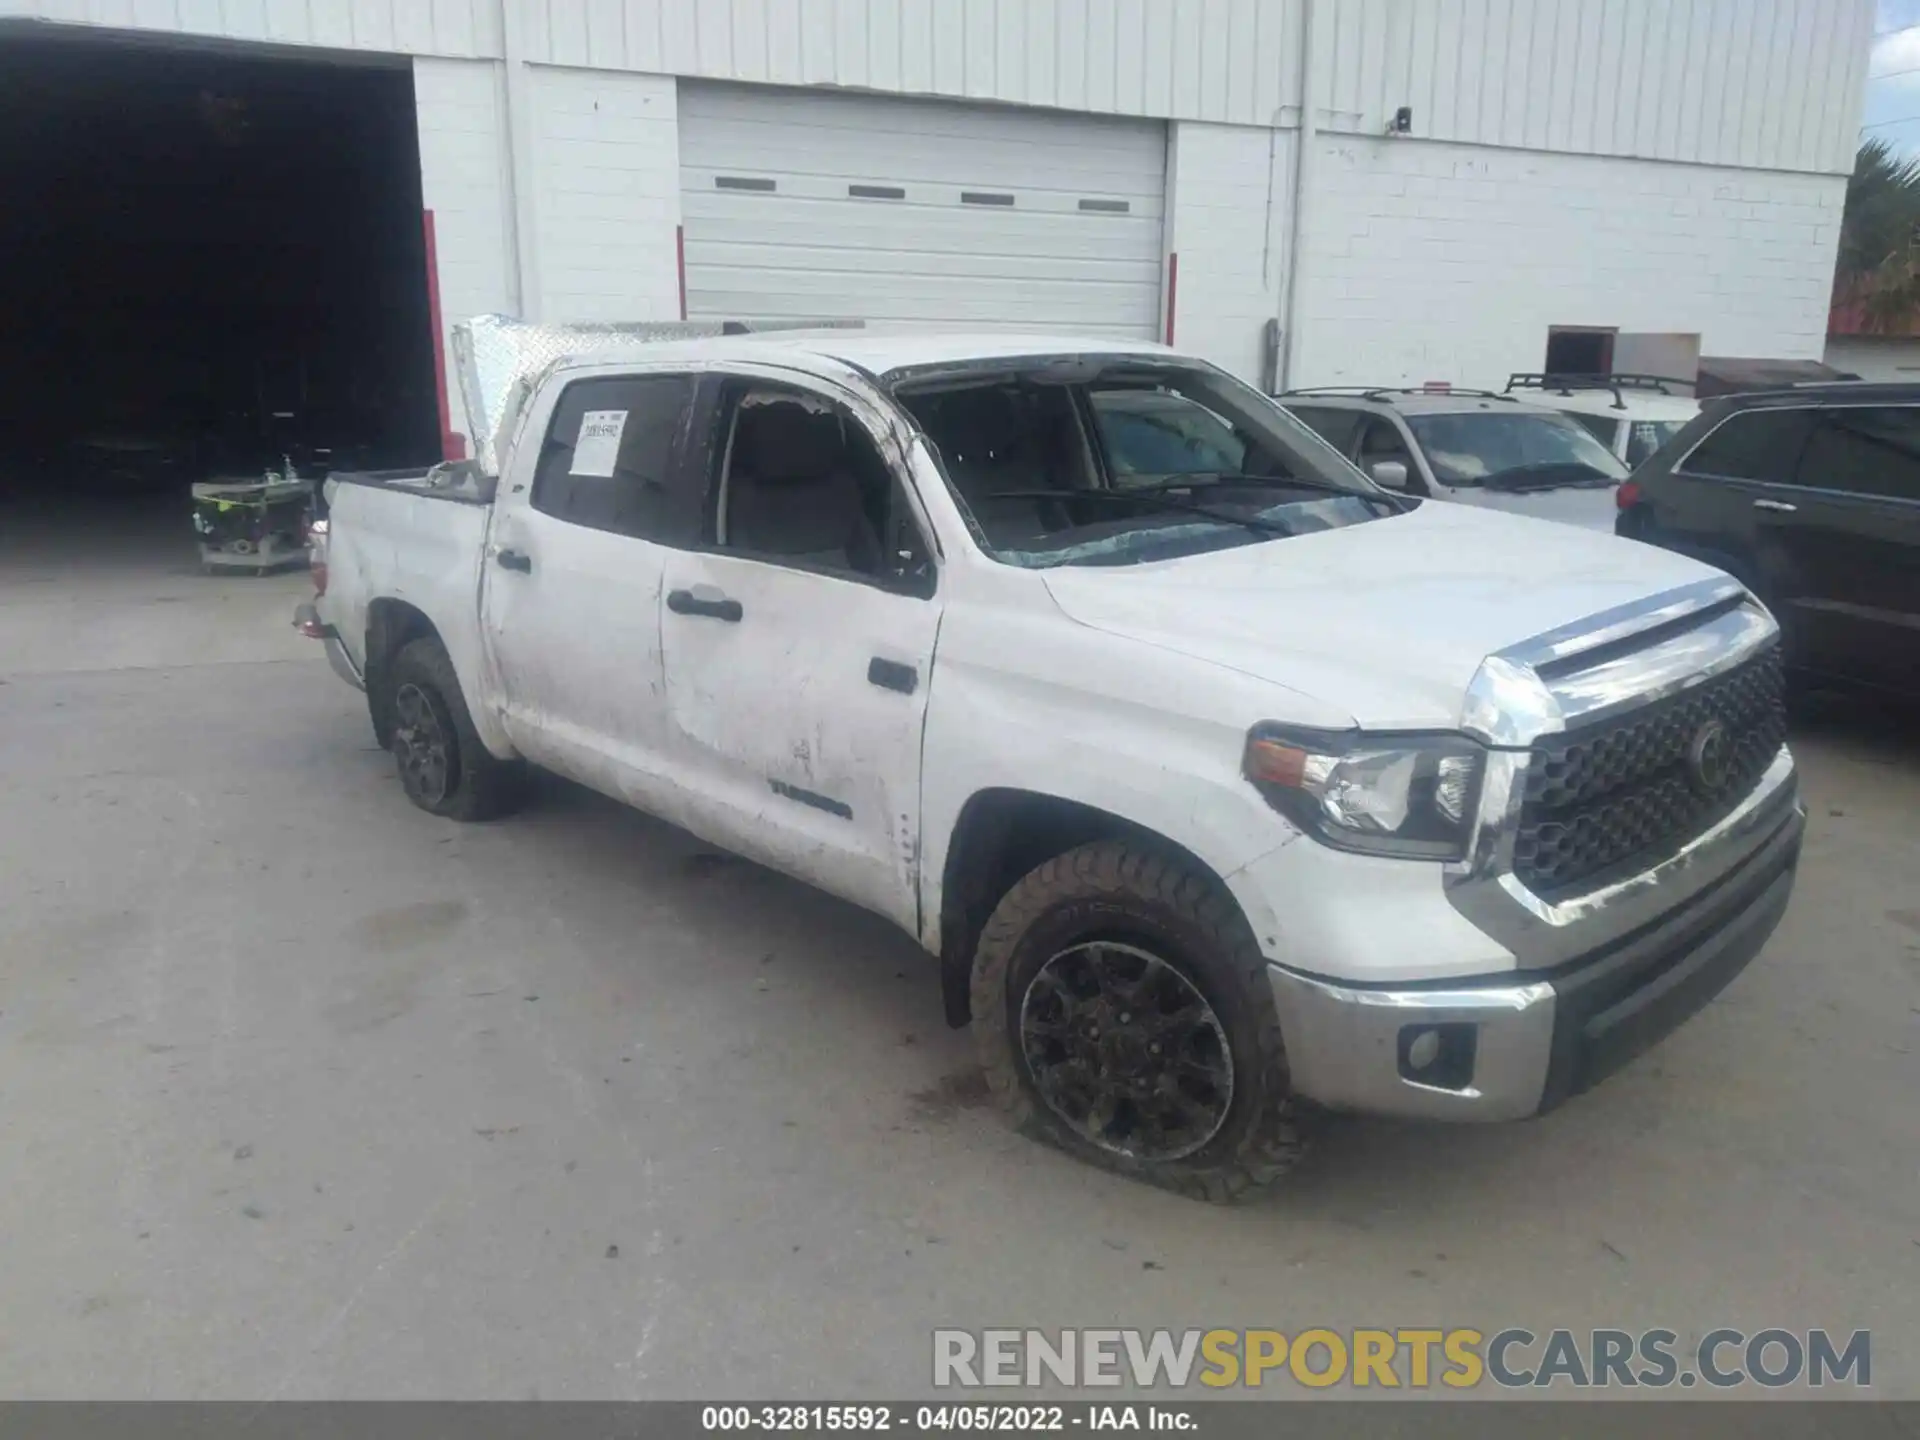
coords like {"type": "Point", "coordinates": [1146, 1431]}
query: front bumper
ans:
{"type": "Point", "coordinates": [1508, 1047]}
{"type": "Point", "coordinates": [306, 619]}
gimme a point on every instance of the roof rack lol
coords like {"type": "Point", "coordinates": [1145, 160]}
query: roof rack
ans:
{"type": "Point", "coordinates": [1566, 384]}
{"type": "Point", "coordinates": [1381, 392]}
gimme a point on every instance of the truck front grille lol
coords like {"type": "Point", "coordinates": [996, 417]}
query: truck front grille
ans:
{"type": "Point", "coordinates": [1601, 802]}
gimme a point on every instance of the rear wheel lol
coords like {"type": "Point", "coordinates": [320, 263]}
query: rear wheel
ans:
{"type": "Point", "coordinates": [1122, 1012]}
{"type": "Point", "coordinates": [443, 766]}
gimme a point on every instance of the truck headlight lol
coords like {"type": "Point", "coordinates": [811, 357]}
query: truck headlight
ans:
{"type": "Point", "coordinates": [1403, 795]}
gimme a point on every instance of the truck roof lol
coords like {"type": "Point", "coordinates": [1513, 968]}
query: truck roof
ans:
{"type": "Point", "coordinates": [498, 359]}
{"type": "Point", "coordinates": [877, 353]}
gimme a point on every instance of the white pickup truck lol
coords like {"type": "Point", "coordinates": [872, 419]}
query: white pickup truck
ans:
{"type": "Point", "coordinates": [1213, 791]}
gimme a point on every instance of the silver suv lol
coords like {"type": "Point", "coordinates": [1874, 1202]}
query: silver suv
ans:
{"type": "Point", "coordinates": [1473, 446]}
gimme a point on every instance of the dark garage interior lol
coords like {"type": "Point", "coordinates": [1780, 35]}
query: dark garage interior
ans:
{"type": "Point", "coordinates": [209, 261]}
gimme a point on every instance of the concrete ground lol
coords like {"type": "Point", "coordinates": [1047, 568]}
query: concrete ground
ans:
{"type": "Point", "coordinates": [306, 1094]}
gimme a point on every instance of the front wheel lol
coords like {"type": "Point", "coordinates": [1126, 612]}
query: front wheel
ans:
{"type": "Point", "coordinates": [1122, 1012]}
{"type": "Point", "coordinates": [444, 767]}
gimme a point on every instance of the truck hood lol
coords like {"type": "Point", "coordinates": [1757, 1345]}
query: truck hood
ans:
{"type": "Point", "coordinates": [1386, 621]}
{"type": "Point", "coordinates": [1590, 509]}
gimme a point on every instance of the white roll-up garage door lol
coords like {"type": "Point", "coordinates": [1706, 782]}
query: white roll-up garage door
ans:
{"type": "Point", "coordinates": [804, 205]}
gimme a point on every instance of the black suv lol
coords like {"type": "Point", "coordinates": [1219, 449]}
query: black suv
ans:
{"type": "Point", "coordinates": [1810, 497]}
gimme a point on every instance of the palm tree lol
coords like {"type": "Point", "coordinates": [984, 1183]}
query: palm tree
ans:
{"type": "Point", "coordinates": [1876, 267]}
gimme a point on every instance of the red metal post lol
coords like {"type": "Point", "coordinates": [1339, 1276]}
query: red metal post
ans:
{"type": "Point", "coordinates": [452, 446]}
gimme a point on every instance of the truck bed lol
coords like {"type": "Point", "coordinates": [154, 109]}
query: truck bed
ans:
{"type": "Point", "coordinates": [460, 482]}
{"type": "Point", "coordinates": [389, 540]}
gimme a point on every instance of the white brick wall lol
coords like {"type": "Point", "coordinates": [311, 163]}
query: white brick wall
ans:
{"type": "Point", "coordinates": [1220, 179]}
{"type": "Point", "coordinates": [1448, 262]}
{"type": "Point", "coordinates": [606, 150]}
{"type": "Point", "coordinates": [463, 181]}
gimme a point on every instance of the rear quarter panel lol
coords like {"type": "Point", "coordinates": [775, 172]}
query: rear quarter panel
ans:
{"type": "Point", "coordinates": [424, 552]}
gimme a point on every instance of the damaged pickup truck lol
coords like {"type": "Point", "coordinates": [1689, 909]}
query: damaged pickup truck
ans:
{"type": "Point", "coordinates": [1217, 779]}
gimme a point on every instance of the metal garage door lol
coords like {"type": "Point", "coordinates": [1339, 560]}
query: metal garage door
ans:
{"type": "Point", "coordinates": [800, 205]}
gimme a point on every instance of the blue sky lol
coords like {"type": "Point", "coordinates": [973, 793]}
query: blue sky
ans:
{"type": "Point", "coordinates": [1893, 76]}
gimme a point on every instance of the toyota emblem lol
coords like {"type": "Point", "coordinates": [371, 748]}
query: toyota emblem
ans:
{"type": "Point", "coordinates": [1709, 756]}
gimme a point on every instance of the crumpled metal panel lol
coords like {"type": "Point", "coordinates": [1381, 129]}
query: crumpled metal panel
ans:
{"type": "Point", "coordinates": [500, 360]}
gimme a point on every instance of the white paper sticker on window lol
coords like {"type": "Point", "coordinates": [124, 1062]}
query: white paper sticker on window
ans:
{"type": "Point", "coordinates": [598, 447]}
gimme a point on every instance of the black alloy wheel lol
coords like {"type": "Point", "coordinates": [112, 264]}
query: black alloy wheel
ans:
{"type": "Point", "coordinates": [421, 747]}
{"type": "Point", "coordinates": [1126, 1050]}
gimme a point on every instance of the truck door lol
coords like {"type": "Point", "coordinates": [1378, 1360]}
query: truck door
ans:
{"type": "Point", "coordinates": [799, 644]}
{"type": "Point", "coordinates": [573, 573]}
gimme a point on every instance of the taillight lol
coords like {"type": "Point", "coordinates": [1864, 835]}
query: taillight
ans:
{"type": "Point", "coordinates": [1628, 495]}
{"type": "Point", "coordinates": [317, 555]}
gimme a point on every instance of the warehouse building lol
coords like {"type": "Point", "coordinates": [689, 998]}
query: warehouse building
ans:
{"type": "Point", "coordinates": [250, 214]}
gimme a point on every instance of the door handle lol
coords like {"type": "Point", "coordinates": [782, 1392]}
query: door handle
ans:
{"type": "Point", "coordinates": [892, 675]}
{"type": "Point", "coordinates": [1778, 507]}
{"type": "Point", "coordinates": [513, 560]}
{"type": "Point", "coordinates": [713, 605]}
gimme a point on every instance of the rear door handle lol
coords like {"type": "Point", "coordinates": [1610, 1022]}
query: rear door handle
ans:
{"type": "Point", "coordinates": [1778, 507]}
{"type": "Point", "coordinates": [513, 560]}
{"type": "Point", "coordinates": [705, 600]}
{"type": "Point", "coordinates": [892, 675]}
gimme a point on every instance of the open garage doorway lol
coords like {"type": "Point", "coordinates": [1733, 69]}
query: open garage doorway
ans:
{"type": "Point", "coordinates": [210, 259]}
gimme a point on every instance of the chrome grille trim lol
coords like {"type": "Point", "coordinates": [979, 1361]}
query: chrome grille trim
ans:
{"type": "Point", "coordinates": [1601, 798]}
{"type": "Point", "coordinates": [1542, 688]}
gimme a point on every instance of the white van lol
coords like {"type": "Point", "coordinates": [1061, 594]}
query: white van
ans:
{"type": "Point", "coordinates": [1632, 415]}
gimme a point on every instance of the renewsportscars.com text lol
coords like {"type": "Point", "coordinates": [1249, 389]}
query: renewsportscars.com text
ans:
{"type": "Point", "coordinates": [1417, 1359]}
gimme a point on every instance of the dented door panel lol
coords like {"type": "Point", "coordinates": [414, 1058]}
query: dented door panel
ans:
{"type": "Point", "coordinates": [798, 758]}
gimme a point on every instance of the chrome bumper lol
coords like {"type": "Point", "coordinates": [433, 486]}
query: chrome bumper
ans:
{"type": "Point", "coordinates": [1517, 1044]}
{"type": "Point", "coordinates": [306, 619]}
{"type": "Point", "coordinates": [1350, 1049]}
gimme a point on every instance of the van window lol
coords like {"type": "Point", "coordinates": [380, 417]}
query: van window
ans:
{"type": "Point", "coordinates": [1647, 436]}
{"type": "Point", "coordinates": [1760, 445]}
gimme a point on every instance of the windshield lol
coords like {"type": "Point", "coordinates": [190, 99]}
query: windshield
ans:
{"type": "Point", "coordinates": [1473, 447]}
{"type": "Point", "coordinates": [1079, 462]}
{"type": "Point", "coordinates": [1151, 434]}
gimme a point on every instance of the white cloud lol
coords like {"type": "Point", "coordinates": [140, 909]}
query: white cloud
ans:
{"type": "Point", "coordinates": [1895, 53]}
